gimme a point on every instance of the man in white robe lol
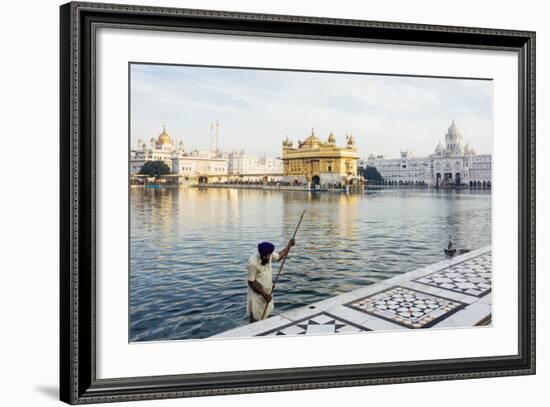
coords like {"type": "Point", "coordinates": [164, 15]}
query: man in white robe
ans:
{"type": "Point", "coordinates": [260, 279]}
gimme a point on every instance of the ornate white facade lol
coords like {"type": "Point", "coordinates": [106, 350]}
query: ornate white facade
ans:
{"type": "Point", "coordinates": [159, 149]}
{"type": "Point", "coordinates": [199, 164]}
{"type": "Point", "coordinates": [162, 148]}
{"type": "Point", "coordinates": [202, 164]}
{"type": "Point", "coordinates": [240, 163]}
{"type": "Point", "coordinates": [452, 164]}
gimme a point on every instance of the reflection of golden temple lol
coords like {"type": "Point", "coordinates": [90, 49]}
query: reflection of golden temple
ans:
{"type": "Point", "coordinates": [320, 162]}
{"type": "Point", "coordinates": [340, 229]}
{"type": "Point", "coordinates": [348, 209]}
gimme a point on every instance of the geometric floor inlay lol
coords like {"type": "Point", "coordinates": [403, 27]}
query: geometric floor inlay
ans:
{"type": "Point", "coordinates": [472, 277]}
{"type": "Point", "coordinates": [321, 323]}
{"type": "Point", "coordinates": [407, 307]}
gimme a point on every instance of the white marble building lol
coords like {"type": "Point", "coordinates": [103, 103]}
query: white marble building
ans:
{"type": "Point", "coordinates": [190, 165]}
{"type": "Point", "coordinates": [159, 149]}
{"type": "Point", "coordinates": [204, 165]}
{"type": "Point", "coordinates": [241, 163]}
{"type": "Point", "coordinates": [452, 164]}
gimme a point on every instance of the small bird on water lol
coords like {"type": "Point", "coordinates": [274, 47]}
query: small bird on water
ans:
{"type": "Point", "coordinates": [450, 251]}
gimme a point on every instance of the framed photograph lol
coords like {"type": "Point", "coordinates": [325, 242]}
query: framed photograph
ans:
{"type": "Point", "coordinates": [255, 203]}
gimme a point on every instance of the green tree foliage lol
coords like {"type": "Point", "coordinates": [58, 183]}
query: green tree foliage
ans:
{"type": "Point", "coordinates": [154, 168]}
{"type": "Point", "coordinates": [370, 173]}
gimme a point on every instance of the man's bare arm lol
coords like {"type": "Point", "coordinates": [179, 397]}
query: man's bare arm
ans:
{"type": "Point", "coordinates": [260, 290]}
{"type": "Point", "coordinates": [283, 253]}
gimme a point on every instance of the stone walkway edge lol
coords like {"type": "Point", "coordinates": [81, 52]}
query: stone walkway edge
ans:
{"type": "Point", "coordinates": [449, 294]}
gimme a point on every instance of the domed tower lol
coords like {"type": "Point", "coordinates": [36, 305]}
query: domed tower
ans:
{"type": "Point", "coordinates": [350, 141]}
{"type": "Point", "coordinates": [331, 138]}
{"type": "Point", "coordinates": [287, 143]}
{"type": "Point", "coordinates": [311, 141]}
{"type": "Point", "coordinates": [468, 150]}
{"type": "Point", "coordinates": [453, 139]}
{"type": "Point", "coordinates": [459, 147]}
{"type": "Point", "coordinates": [439, 148]}
{"type": "Point", "coordinates": [164, 138]}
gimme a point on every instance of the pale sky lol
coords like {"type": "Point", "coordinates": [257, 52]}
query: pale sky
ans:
{"type": "Point", "coordinates": [257, 109]}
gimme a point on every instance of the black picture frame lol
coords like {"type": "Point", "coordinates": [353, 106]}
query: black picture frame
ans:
{"type": "Point", "coordinates": [78, 381]}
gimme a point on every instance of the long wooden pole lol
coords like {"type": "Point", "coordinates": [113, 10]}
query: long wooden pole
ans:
{"type": "Point", "coordinates": [283, 264]}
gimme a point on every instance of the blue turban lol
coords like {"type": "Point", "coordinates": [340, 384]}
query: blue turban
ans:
{"type": "Point", "coordinates": [266, 248]}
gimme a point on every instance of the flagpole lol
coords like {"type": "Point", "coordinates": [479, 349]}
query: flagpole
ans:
{"type": "Point", "coordinates": [217, 126]}
{"type": "Point", "coordinates": [211, 136]}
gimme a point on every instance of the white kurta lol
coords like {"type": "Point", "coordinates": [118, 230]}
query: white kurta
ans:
{"type": "Point", "coordinates": [255, 303]}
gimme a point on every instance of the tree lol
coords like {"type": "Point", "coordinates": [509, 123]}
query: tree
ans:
{"type": "Point", "coordinates": [370, 173]}
{"type": "Point", "coordinates": [154, 168]}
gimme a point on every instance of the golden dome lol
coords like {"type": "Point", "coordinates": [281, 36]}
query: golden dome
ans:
{"type": "Point", "coordinates": [164, 138]}
{"type": "Point", "coordinates": [311, 141]}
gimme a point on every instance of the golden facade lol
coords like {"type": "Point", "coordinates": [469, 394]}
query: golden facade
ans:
{"type": "Point", "coordinates": [320, 162]}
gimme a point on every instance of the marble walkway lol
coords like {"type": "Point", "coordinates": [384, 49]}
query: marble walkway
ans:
{"type": "Point", "coordinates": [451, 293]}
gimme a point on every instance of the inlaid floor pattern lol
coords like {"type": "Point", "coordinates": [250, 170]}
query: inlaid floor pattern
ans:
{"type": "Point", "coordinates": [322, 323]}
{"type": "Point", "coordinates": [407, 307]}
{"type": "Point", "coordinates": [472, 277]}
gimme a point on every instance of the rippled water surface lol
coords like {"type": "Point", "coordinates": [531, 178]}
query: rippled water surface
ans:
{"type": "Point", "coordinates": [189, 248]}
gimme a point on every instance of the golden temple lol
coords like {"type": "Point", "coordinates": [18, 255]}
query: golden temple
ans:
{"type": "Point", "coordinates": [320, 162]}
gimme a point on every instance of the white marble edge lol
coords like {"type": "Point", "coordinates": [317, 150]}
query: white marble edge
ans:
{"type": "Point", "coordinates": [335, 305]}
{"type": "Point", "coordinates": [255, 328]}
{"type": "Point", "coordinates": [467, 317]}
